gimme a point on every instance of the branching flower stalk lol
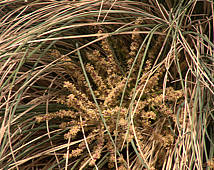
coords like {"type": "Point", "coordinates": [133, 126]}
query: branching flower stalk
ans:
{"type": "Point", "coordinates": [107, 83]}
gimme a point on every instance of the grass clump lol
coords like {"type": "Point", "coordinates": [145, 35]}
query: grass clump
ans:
{"type": "Point", "coordinates": [116, 85]}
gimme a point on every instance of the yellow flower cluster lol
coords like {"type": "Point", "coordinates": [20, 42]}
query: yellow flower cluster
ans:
{"type": "Point", "coordinates": [108, 82]}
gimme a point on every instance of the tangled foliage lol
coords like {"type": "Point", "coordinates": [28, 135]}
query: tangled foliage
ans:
{"type": "Point", "coordinates": [144, 116]}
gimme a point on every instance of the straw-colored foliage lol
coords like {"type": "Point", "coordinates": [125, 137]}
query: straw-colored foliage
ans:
{"type": "Point", "coordinates": [106, 84]}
